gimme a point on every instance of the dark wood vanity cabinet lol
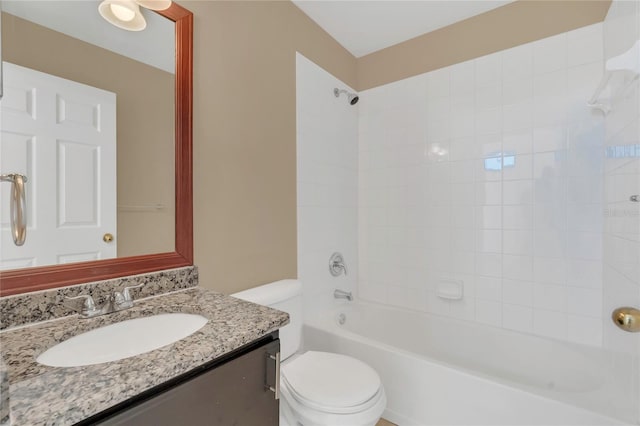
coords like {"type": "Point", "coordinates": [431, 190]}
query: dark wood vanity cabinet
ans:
{"type": "Point", "coordinates": [232, 391]}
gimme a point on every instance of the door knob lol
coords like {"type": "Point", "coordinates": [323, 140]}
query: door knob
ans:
{"type": "Point", "coordinates": [627, 319]}
{"type": "Point", "coordinates": [107, 238]}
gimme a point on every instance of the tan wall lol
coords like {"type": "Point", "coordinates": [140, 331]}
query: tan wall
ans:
{"type": "Point", "coordinates": [145, 123]}
{"type": "Point", "coordinates": [508, 26]}
{"type": "Point", "coordinates": [244, 123]}
{"type": "Point", "coordinates": [245, 136]}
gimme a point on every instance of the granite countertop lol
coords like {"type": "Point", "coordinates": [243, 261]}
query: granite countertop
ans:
{"type": "Point", "coordinates": [42, 395]}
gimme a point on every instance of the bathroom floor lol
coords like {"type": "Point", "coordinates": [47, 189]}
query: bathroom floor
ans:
{"type": "Point", "coordinates": [383, 422]}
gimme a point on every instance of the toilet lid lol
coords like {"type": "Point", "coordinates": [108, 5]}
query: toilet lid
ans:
{"type": "Point", "coordinates": [331, 380]}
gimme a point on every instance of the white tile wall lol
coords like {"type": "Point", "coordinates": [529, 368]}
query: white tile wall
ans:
{"type": "Point", "coordinates": [490, 171]}
{"type": "Point", "coordinates": [327, 179]}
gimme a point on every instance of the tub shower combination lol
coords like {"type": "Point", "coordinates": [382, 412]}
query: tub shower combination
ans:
{"type": "Point", "coordinates": [441, 371]}
{"type": "Point", "coordinates": [488, 214]}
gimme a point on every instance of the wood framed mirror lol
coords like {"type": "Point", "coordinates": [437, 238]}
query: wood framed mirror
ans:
{"type": "Point", "coordinates": [47, 277]}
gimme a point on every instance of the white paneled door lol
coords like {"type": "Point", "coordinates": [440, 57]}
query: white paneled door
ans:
{"type": "Point", "coordinates": [62, 136]}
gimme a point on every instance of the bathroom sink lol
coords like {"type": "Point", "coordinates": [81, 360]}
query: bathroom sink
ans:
{"type": "Point", "coordinates": [122, 340]}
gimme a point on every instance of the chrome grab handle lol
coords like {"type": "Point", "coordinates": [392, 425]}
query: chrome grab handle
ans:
{"type": "Point", "coordinates": [276, 389]}
{"type": "Point", "coordinates": [18, 207]}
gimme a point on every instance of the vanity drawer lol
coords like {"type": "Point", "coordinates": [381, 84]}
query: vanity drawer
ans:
{"type": "Point", "coordinates": [236, 392]}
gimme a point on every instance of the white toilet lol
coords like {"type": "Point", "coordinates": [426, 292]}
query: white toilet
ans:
{"type": "Point", "coordinates": [317, 388]}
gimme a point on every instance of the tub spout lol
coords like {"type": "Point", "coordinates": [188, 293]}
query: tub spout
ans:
{"type": "Point", "coordinates": [341, 294]}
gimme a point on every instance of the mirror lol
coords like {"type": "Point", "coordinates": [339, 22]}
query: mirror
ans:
{"type": "Point", "coordinates": [152, 206]}
{"type": "Point", "coordinates": [84, 134]}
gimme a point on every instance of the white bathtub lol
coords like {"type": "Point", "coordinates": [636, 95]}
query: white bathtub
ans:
{"type": "Point", "coordinates": [440, 371]}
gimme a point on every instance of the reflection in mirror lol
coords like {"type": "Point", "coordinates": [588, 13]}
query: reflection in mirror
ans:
{"type": "Point", "coordinates": [88, 116]}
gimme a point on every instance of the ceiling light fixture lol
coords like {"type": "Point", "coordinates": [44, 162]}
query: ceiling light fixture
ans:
{"type": "Point", "coordinates": [126, 14]}
{"type": "Point", "coordinates": [155, 4]}
{"type": "Point", "coordinates": [122, 13]}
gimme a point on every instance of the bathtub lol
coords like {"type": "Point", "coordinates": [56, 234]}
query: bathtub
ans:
{"type": "Point", "coordinates": [439, 371]}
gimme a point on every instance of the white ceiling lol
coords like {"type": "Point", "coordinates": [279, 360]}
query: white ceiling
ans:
{"type": "Point", "coordinates": [364, 26]}
{"type": "Point", "coordinates": [154, 46]}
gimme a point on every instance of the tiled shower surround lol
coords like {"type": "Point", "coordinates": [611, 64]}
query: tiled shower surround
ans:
{"type": "Point", "coordinates": [495, 174]}
{"type": "Point", "coordinates": [327, 180]}
{"type": "Point", "coordinates": [490, 173]}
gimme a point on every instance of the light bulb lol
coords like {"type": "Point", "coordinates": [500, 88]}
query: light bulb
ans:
{"type": "Point", "coordinates": [122, 13]}
{"type": "Point", "coordinates": [154, 4]}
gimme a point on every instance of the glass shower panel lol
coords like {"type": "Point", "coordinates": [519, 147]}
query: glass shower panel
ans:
{"type": "Point", "coordinates": [496, 175]}
{"type": "Point", "coordinates": [621, 176]}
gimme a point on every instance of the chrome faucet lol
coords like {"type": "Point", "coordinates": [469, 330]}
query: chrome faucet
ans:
{"type": "Point", "coordinates": [341, 294]}
{"type": "Point", "coordinates": [118, 301]}
{"type": "Point", "coordinates": [336, 265]}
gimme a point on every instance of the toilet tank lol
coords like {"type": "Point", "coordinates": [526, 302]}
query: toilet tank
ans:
{"type": "Point", "coordinates": [284, 295]}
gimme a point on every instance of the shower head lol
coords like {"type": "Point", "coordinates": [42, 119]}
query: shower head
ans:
{"type": "Point", "coordinates": [351, 97]}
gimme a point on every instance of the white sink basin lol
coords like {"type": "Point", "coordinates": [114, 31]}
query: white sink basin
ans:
{"type": "Point", "coordinates": [122, 340]}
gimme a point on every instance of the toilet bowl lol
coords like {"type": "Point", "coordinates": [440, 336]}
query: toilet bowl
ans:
{"type": "Point", "coordinates": [318, 388]}
{"type": "Point", "coordinates": [322, 388]}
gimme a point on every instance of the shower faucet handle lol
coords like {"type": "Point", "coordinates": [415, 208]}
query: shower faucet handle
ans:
{"type": "Point", "coordinates": [336, 264]}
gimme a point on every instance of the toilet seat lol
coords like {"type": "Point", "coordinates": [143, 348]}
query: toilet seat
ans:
{"type": "Point", "coordinates": [331, 383]}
